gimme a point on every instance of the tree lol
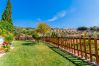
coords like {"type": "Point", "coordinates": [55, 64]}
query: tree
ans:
{"type": "Point", "coordinates": [95, 28]}
{"type": "Point", "coordinates": [7, 15]}
{"type": "Point", "coordinates": [4, 25]}
{"type": "Point", "coordinates": [82, 28]}
{"type": "Point", "coordinates": [43, 28]}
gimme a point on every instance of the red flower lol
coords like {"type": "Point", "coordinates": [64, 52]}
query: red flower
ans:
{"type": "Point", "coordinates": [5, 43]}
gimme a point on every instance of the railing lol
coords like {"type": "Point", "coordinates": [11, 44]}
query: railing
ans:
{"type": "Point", "coordinates": [85, 48]}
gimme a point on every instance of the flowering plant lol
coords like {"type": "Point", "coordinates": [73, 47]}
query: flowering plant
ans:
{"type": "Point", "coordinates": [6, 46]}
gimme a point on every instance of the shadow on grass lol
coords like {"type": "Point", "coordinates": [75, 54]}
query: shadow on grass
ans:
{"type": "Point", "coordinates": [29, 43]}
{"type": "Point", "coordinates": [70, 57]}
{"type": "Point", "coordinates": [50, 46]}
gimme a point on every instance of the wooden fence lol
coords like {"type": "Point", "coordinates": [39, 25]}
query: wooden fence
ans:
{"type": "Point", "coordinates": [85, 48]}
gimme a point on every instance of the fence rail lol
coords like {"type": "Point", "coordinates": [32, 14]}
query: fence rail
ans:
{"type": "Point", "coordinates": [83, 47]}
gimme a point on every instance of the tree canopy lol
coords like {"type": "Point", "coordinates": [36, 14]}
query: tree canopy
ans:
{"type": "Point", "coordinates": [4, 25]}
{"type": "Point", "coordinates": [95, 28]}
{"type": "Point", "coordinates": [82, 28]}
{"type": "Point", "coordinates": [7, 15]}
{"type": "Point", "coordinates": [43, 28]}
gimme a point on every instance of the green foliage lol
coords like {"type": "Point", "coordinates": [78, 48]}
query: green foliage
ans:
{"type": "Point", "coordinates": [53, 34]}
{"type": "Point", "coordinates": [36, 36]}
{"type": "Point", "coordinates": [43, 28]}
{"type": "Point", "coordinates": [4, 25]}
{"type": "Point", "coordinates": [48, 34]}
{"type": "Point", "coordinates": [6, 47]}
{"type": "Point", "coordinates": [9, 37]}
{"type": "Point", "coordinates": [7, 15]}
{"type": "Point", "coordinates": [82, 28]}
{"type": "Point", "coordinates": [20, 30]}
{"type": "Point", "coordinates": [95, 28]}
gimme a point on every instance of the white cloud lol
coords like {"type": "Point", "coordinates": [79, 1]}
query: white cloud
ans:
{"type": "Point", "coordinates": [58, 16]}
{"type": "Point", "coordinates": [52, 19]}
{"type": "Point", "coordinates": [62, 14]}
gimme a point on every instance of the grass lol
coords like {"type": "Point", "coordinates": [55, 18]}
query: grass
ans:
{"type": "Point", "coordinates": [87, 48]}
{"type": "Point", "coordinates": [27, 53]}
{"type": "Point", "coordinates": [77, 61]}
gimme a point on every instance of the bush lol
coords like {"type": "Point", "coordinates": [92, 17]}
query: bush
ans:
{"type": "Point", "coordinates": [9, 37]}
{"type": "Point", "coordinates": [54, 34]}
{"type": "Point", "coordinates": [36, 36]}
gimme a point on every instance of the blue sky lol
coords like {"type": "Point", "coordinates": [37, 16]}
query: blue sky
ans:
{"type": "Point", "coordinates": [56, 13]}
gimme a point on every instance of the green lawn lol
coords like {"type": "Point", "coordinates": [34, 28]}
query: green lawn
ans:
{"type": "Point", "coordinates": [27, 53]}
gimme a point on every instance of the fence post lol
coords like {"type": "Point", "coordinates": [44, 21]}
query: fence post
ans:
{"type": "Point", "coordinates": [90, 48]}
{"type": "Point", "coordinates": [58, 42]}
{"type": "Point", "coordinates": [74, 44]}
{"type": "Point", "coordinates": [66, 44]}
{"type": "Point", "coordinates": [69, 44]}
{"type": "Point", "coordinates": [77, 46]}
{"type": "Point", "coordinates": [85, 48]}
{"type": "Point", "coordinates": [81, 47]}
{"type": "Point", "coordinates": [96, 51]}
{"type": "Point", "coordinates": [62, 42]}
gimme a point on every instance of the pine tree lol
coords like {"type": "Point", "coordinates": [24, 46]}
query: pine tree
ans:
{"type": "Point", "coordinates": [7, 15]}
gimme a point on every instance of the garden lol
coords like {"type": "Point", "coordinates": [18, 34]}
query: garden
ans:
{"type": "Point", "coordinates": [27, 53]}
{"type": "Point", "coordinates": [43, 45]}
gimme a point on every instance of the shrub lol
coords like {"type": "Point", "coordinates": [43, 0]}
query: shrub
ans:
{"type": "Point", "coordinates": [36, 36]}
{"type": "Point", "coordinates": [9, 37]}
{"type": "Point", "coordinates": [54, 34]}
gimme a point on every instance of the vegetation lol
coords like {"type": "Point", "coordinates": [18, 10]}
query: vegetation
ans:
{"type": "Point", "coordinates": [82, 28]}
{"type": "Point", "coordinates": [9, 37]}
{"type": "Point", "coordinates": [4, 25]}
{"type": "Point", "coordinates": [36, 36]}
{"type": "Point", "coordinates": [54, 34]}
{"type": "Point", "coordinates": [43, 28]}
{"type": "Point", "coordinates": [95, 28]}
{"type": "Point", "coordinates": [6, 46]}
{"type": "Point", "coordinates": [27, 53]}
{"type": "Point", "coordinates": [7, 15]}
{"type": "Point", "coordinates": [23, 30]}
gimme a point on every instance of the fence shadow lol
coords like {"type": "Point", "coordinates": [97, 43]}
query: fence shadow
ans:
{"type": "Point", "coordinates": [29, 43]}
{"type": "Point", "coordinates": [69, 56]}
